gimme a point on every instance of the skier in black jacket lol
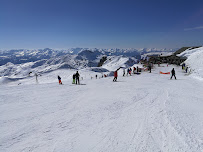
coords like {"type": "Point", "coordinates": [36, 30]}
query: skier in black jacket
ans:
{"type": "Point", "coordinates": [77, 75]}
{"type": "Point", "coordinates": [173, 73]}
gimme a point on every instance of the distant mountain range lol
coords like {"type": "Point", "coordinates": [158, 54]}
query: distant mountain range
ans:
{"type": "Point", "coordinates": [23, 55]}
{"type": "Point", "coordinates": [21, 62]}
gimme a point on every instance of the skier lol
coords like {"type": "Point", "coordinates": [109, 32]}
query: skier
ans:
{"type": "Point", "coordinates": [134, 70]}
{"type": "Point", "coordinates": [173, 73]}
{"type": "Point", "coordinates": [150, 68]}
{"type": "Point", "coordinates": [73, 78]}
{"type": "Point", "coordinates": [115, 75]}
{"type": "Point", "coordinates": [183, 66]}
{"type": "Point", "coordinates": [77, 75]}
{"type": "Point", "coordinates": [59, 78]}
{"type": "Point", "coordinates": [96, 76]}
{"type": "Point", "coordinates": [137, 69]}
{"type": "Point", "coordinates": [186, 69]}
{"type": "Point", "coordinates": [130, 70]}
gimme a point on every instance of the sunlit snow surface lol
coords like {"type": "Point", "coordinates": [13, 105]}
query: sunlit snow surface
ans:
{"type": "Point", "coordinates": [195, 62]}
{"type": "Point", "coordinates": [139, 113]}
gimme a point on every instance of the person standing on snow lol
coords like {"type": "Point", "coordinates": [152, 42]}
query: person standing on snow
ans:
{"type": "Point", "coordinates": [130, 71]}
{"type": "Point", "coordinates": [73, 78]}
{"type": "Point", "coordinates": [115, 75]}
{"type": "Point", "coordinates": [150, 67]}
{"type": "Point", "coordinates": [173, 73]}
{"type": "Point", "coordinates": [186, 69]}
{"type": "Point", "coordinates": [77, 75]}
{"type": "Point", "coordinates": [134, 70]}
{"type": "Point", "coordinates": [137, 69]}
{"type": "Point", "coordinates": [59, 78]}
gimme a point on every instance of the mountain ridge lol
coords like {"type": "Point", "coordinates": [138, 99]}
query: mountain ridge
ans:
{"type": "Point", "coordinates": [19, 63]}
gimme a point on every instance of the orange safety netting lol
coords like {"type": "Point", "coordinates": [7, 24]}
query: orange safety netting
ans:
{"type": "Point", "coordinates": [164, 73]}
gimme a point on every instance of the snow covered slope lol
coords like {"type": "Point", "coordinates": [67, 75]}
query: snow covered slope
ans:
{"type": "Point", "coordinates": [42, 66]}
{"type": "Point", "coordinates": [139, 113]}
{"type": "Point", "coordinates": [195, 61]}
{"type": "Point", "coordinates": [116, 62]}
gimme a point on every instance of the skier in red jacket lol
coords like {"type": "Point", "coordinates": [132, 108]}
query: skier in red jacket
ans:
{"type": "Point", "coordinates": [115, 75]}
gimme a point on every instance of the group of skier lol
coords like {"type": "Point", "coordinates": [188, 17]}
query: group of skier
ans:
{"type": "Point", "coordinates": [76, 78]}
{"type": "Point", "coordinates": [129, 71]}
{"type": "Point", "coordinates": [134, 72]}
{"type": "Point", "coordinates": [184, 67]}
{"type": "Point", "coordinates": [76, 75]}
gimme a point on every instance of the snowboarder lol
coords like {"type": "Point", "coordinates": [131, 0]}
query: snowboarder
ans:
{"type": "Point", "coordinates": [73, 78]}
{"type": "Point", "coordinates": [173, 73]}
{"type": "Point", "coordinates": [77, 75]}
{"type": "Point", "coordinates": [59, 78]}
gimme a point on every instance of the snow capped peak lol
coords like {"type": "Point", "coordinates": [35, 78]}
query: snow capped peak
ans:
{"type": "Point", "coordinates": [46, 60]}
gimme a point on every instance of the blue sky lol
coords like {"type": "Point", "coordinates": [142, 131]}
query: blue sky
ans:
{"type": "Point", "coordinates": [100, 23]}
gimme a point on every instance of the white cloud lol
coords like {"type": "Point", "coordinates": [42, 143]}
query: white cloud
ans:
{"type": "Point", "coordinates": [193, 28]}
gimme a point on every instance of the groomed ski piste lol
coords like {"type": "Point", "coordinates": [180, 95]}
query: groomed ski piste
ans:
{"type": "Point", "coordinates": [139, 113]}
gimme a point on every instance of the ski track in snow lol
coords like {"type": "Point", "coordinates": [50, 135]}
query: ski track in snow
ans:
{"type": "Point", "coordinates": [139, 113]}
